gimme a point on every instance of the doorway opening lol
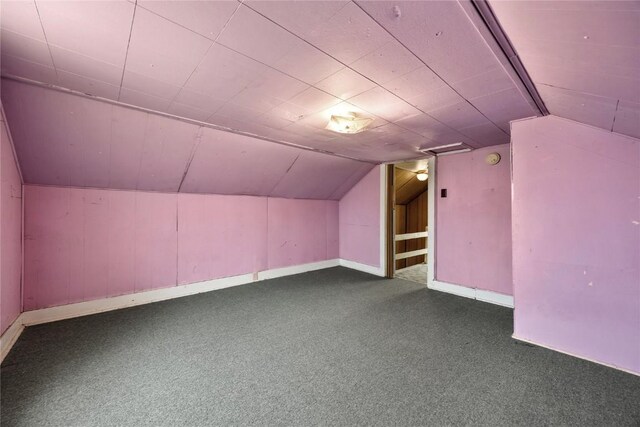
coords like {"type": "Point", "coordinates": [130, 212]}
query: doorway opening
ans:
{"type": "Point", "coordinates": [410, 220]}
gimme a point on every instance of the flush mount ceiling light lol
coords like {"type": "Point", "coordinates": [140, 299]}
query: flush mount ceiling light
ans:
{"type": "Point", "coordinates": [348, 123]}
{"type": "Point", "coordinates": [422, 175]}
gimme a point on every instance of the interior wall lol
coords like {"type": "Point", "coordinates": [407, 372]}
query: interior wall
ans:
{"type": "Point", "coordinates": [473, 236]}
{"type": "Point", "coordinates": [359, 216]}
{"type": "Point", "coordinates": [84, 244]}
{"type": "Point", "coordinates": [576, 239]}
{"type": "Point", "coordinates": [10, 232]}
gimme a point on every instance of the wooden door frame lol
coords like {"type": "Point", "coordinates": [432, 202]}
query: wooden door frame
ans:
{"type": "Point", "coordinates": [390, 196]}
{"type": "Point", "coordinates": [390, 223]}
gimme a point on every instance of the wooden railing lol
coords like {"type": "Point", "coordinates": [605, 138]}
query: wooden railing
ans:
{"type": "Point", "coordinates": [410, 236]}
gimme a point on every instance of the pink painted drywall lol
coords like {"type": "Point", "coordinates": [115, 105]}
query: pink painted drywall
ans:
{"type": "Point", "coordinates": [72, 141]}
{"type": "Point", "coordinates": [85, 244]}
{"type": "Point", "coordinates": [10, 233]}
{"type": "Point", "coordinates": [360, 221]}
{"type": "Point", "coordinates": [220, 236]}
{"type": "Point", "coordinates": [297, 231]}
{"type": "Point", "coordinates": [473, 235]}
{"type": "Point", "coordinates": [576, 240]}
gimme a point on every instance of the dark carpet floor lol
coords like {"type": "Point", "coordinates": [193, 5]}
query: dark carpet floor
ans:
{"type": "Point", "coordinates": [332, 347]}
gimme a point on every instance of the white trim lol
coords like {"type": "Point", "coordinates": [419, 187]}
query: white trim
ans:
{"type": "Point", "coordinates": [383, 222]}
{"type": "Point", "coordinates": [450, 288]}
{"type": "Point", "coordinates": [473, 293]}
{"type": "Point", "coordinates": [68, 311]}
{"type": "Point", "coordinates": [297, 269]}
{"type": "Point", "coordinates": [575, 355]}
{"type": "Point", "coordinates": [409, 236]}
{"type": "Point", "coordinates": [495, 298]}
{"type": "Point", "coordinates": [409, 254]}
{"type": "Point", "coordinates": [10, 336]}
{"type": "Point", "coordinates": [431, 220]}
{"type": "Point", "coordinates": [376, 271]}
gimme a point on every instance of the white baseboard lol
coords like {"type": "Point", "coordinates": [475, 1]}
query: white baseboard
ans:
{"type": "Point", "coordinates": [52, 314]}
{"type": "Point", "coordinates": [297, 269]}
{"type": "Point", "coordinates": [473, 293]}
{"type": "Point", "coordinates": [537, 344]}
{"type": "Point", "coordinates": [450, 288]}
{"type": "Point", "coordinates": [10, 336]}
{"type": "Point", "coordinates": [377, 271]}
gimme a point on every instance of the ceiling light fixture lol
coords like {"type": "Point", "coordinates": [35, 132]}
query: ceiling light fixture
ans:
{"type": "Point", "coordinates": [422, 175]}
{"type": "Point", "coordinates": [348, 123]}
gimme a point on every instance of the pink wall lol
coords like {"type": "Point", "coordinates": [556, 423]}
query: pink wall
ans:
{"type": "Point", "coordinates": [473, 236]}
{"type": "Point", "coordinates": [576, 239]}
{"type": "Point", "coordinates": [360, 221]}
{"type": "Point", "coordinates": [10, 233]}
{"type": "Point", "coordinates": [84, 244]}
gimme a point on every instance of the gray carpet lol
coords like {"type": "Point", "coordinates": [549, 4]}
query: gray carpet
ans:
{"type": "Point", "coordinates": [332, 347]}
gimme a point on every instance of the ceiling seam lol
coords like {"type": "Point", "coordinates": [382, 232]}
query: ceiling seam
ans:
{"type": "Point", "coordinates": [362, 75]}
{"type": "Point", "coordinates": [615, 114]}
{"type": "Point", "coordinates": [144, 140]}
{"type": "Point", "coordinates": [283, 176]}
{"type": "Point", "coordinates": [434, 72]}
{"type": "Point", "coordinates": [193, 153]}
{"type": "Point", "coordinates": [594, 95]}
{"type": "Point", "coordinates": [44, 33]}
{"type": "Point", "coordinates": [339, 188]}
{"type": "Point", "coordinates": [126, 55]}
{"type": "Point", "coordinates": [182, 119]}
{"type": "Point", "coordinates": [175, 23]}
{"type": "Point", "coordinates": [207, 52]}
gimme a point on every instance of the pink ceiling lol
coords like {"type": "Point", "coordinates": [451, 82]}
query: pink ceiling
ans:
{"type": "Point", "coordinates": [69, 140]}
{"type": "Point", "coordinates": [426, 71]}
{"type": "Point", "coordinates": [583, 56]}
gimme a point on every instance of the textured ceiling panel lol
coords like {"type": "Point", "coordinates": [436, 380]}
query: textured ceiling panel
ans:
{"type": "Point", "coordinates": [98, 30]}
{"type": "Point", "coordinates": [583, 56]}
{"type": "Point", "coordinates": [278, 68]}
{"type": "Point", "coordinates": [70, 140]}
{"type": "Point", "coordinates": [226, 163]}
{"type": "Point", "coordinates": [316, 176]}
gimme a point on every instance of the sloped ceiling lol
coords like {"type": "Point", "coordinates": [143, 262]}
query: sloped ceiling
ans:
{"type": "Point", "coordinates": [426, 71]}
{"type": "Point", "coordinates": [68, 140]}
{"type": "Point", "coordinates": [583, 56]}
{"type": "Point", "coordinates": [407, 186]}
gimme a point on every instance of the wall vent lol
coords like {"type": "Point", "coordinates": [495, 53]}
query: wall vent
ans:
{"type": "Point", "coordinates": [443, 150]}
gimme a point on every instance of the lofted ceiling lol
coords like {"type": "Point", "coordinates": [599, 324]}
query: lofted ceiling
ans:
{"type": "Point", "coordinates": [429, 72]}
{"type": "Point", "coordinates": [583, 56]}
{"type": "Point", "coordinates": [67, 140]}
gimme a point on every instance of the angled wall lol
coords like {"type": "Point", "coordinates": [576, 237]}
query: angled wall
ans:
{"type": "Point", "coordinates": [73, 141]}
{"type": "Point", "coordinates": [86, 244]}
{"type": "Point", "coordinates": [576, 240]}
{"type": "Point", "coordinates": [10, 232]}
{"type": "Point", "coordinates": [473, 238]}
{"type": "Point", "coordinates": [360, 221]}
